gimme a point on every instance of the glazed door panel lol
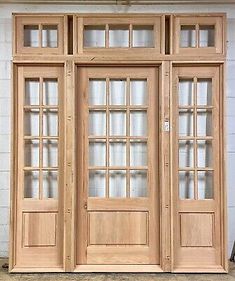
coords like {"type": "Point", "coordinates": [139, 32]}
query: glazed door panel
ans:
{"type": "Point", "coordinates": [197, 168]}
{"type": "Point", "coordinates": [39, 226]}
{"type": "Point", "coordinates": [117, 165]}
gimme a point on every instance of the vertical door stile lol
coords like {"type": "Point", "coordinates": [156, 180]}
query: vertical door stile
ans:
{"type": "Point", "coordinates": [69, 167]}
{"type": "Point", "coordinates": [164, 154]}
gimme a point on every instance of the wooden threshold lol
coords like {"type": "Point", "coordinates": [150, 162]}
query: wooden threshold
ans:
{"type": "Point", "coordinates": [118, 268]}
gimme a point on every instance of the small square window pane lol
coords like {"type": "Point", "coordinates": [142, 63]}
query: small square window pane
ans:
{"type": "Point", "coordinates": [50, 184]}
{"type": "Point", "coordinates": [204, 122]}
{"type": "Point", "coordinates": [97, 123]}
{"type": "Point", "coordinates": [185, 123]}
{"type": "Point", "coordinates": [50, 153]}
{"type": "Point", "coordinates": [117, 154]}
{"type": "Point", "coordinates": [186, 155]}
{"type": "Point", "coordinates": [97, 183]}
{"type": "Point", "coordinates": [143, 36]}
{"type": "Point", "coordinates": [50, 91]}
{"type": "Point", "coordinates": [119, 36]}
{"type": "Point", "coordinates": [138, 183]}
{"type": "Point", "coordinates": [186, 92]}
{"type": "Point", "coordinates": [138, 154]}
{"type": "Point", "coordinates": [187, 36]}
{"type": "Point", "coordinates": [186, 185]}
{"type": "Point", "coordinates": [31, 36]}
{"type": "Point", "coordinates": [50, 123]}
{"type": "Point", "coordinates": [117, 183]}
{"type": "Point", "coordinates": [94, 36]}
{"type": "Point", "coordinates": [138, 92]}
{"type": "Point", "coordinates": [205, 184]}
{"type": "Point", "coordinates": [31, 91]}
{"type": "Point", "coordinates": [138, 123]}
{"type": "Point", "coordinates": [31, 123]}
{"type": "Point", "coordinates": [204, 154]}
{"type": "Point", "coordinates": [97, 154]}
{"type": "Point", "coordinates": [49, 36]}
{"type": "Point", "coordinates": [97, 92]}
{"type": "Point", "coordinates": [117, 123]}
{"type": "Point", "coordinates": [207, 36]}
{"type": "Point", "coordinates": [117, 92]}
{"type": "Point", "coordinates": [31, 184]}
{"type": "Point", "coordinates": [31, 153]}
{"type": "Point", "coordinates": [204, 92]}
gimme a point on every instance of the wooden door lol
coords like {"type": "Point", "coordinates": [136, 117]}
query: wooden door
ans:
{"type": "Point", "coordinates": [198, 181]}
{"type": "Point", "coordinates": [117, 165]}
{"type": "Point", "coordinates": [39, 189]}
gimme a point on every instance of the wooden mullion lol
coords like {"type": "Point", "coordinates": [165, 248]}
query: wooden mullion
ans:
{"type": "Point", "coordinates": [40, 138]}
{"type": "Point", "coordinates": [195, 134]}
{"type": "Point", "coordinates": [107, 136]}
{"type": "Point", "coordinates": [128, 139]}
{"type": "Point", "coordinates": [130, 35]}
{"type": "Point", "coordinates": [197, 35]}
{"type": "Point", "coordinates": [106, 35]}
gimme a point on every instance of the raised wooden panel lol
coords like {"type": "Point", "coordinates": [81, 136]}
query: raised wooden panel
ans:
{"type": "Point", "coordinates": [131, 228]}
{"type": "Point", "coordinates": [39, 229]}
{"type": "Point", "coordinates": [196, 230]}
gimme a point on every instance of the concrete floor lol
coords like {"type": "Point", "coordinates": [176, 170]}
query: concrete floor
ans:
{"type": "Point", "coordinates": [5, 276]}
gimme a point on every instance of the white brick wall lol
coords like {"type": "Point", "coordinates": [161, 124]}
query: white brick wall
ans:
{"type": "Point", "coordinates": [5, 66]}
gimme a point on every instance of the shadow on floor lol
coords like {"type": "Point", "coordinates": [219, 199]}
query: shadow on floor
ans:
{"type": "Point", "coordinates": [5, 276]}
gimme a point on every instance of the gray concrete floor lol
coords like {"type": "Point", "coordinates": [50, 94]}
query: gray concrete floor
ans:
{"type": "Point", "coordinates": [5, 276]}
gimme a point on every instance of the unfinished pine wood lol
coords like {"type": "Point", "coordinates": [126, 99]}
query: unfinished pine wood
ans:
{"type": "Point", "coordinates": [155, 232]}
{"type": "Point", "coordinates": [131, 229]}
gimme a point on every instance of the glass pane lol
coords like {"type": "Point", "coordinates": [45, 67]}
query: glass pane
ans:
{"type": "Point", "coordinates": [49, 36]}
{"type": "Point", "coordinates": [50, 91]}
{"type": "Point", "coordinates": [97, 123]}
{"type": "Point", "coordinates": [187, 36]}
{"type": "Point", "coordinates": [117, 183]}
{"type": "Point", "coordinates": [31, 153]}
{"type": "Point", "coordinates": [138, 123]}
{"type": "Point", "coordinates": [186, 185]}
{"type": "Point", "coordinates": [50, 123]}
{"type": "Point", "coordinates": [31, 36]}
{"type": "Point", "coordinates": [204, 154]}
{"type": "Point", "coordinates": [117, 123]}
{"type": "Point", "coordinates": [185, 92]}
{"type": "Point", "coordinates": [50, 153]}
{"type": "Point", "coordinates": [138, 154]}
{"type": "Point", "coordinates": [31, 123]}
{"type": "Point", "coordinates": [97, 183]}
{"type": "Point", "coordinates": [97, 92]}
{"type": "Point", "coordinates": [186, 154]}
{"type": "Point", "coordinates": [94, 36]}
{"type": "Point", "coordinates": [143, 36]}
{"type": "Point", "coordinates": [117, 156]}
{"type": "Point", "coordinates": [207, 36]}
{"type": "Point", "coordinates": [205, 185]}
{"type": "Point", "coordinates": [185, 123]}
{"type": "Point", "coordinates": [50, 184]}
{"type": "Point", "coordinates": [204, 92]}
{"type": "Point", "coordinates": [119, 36]}
{"type": "Point", "coordinates": [31, 91]}
{"type": "Point", "coordinates": [31, 184]}
{"type": "Point", "coordinates": [97, 154]}
{"type": "Point", "coordinates": [117, 92]}
{"type": "Point", "coordinates": [204, 123]}
{"type": "Point", "coordinates": [138, 92]}
{"type": "Point", "coordinates": [138, 183]}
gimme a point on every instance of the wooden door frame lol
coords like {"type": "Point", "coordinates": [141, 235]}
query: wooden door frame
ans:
{"type": "Point", "coordinates": [70, 200]}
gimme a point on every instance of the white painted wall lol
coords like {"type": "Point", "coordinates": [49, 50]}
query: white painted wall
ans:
{"type": "Point", "coordinates": [5, 74]}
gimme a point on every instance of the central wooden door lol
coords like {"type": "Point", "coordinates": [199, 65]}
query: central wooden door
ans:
{"type": "Point", "coordinates": [117, 166]}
